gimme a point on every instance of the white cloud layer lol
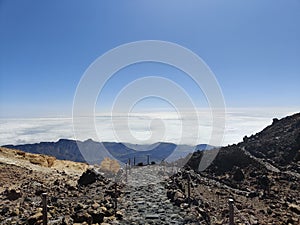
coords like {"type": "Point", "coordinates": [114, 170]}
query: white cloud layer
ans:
{"type": "Point", "coordinates": [143, 127]}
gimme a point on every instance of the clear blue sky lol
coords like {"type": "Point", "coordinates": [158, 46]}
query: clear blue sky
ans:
{"type": "Point", "coordinates": [253, 47]}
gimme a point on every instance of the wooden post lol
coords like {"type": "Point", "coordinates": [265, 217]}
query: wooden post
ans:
{"type": "Point", "coordinates": [231, 212]}
{"type": "Point", "coordinates": [129, 161]}
{"type": "Point", "coordinates": [116, 199]}
{"type": "Point", "coordinates": [126, 173]}
{"type": "Point", "coordinates": [134, 161]}
{"type": "Point", "coordinates": [148, 159]}
{"type": "Point", "coordinates": [44, 202]}
{"type": "Point", "coordinates": [189, 189]}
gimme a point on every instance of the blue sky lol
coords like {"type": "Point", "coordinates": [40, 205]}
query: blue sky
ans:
{"type": "Point", "coordinates": [253, 48]}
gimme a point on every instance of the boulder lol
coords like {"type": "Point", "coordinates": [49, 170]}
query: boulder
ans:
{"type": "Point", "coordinates": [88, 177]}
{"type": "Point", "coordinates": [119, 215]}
{"type": "Point", "coordinates": [97, 215]}
{"type": "Point", "coordinates": [179, 198]}
{"type": "Point", "coordinates": [81, 217]}
{"type": "Point", "coordinates": [32, 220]}
{"type": "Point", "coordinates": [12, 194]}
{"type": "Point", "coordinates": [67, 220]}
{"type": "Point", "coordinates": [294, 208]}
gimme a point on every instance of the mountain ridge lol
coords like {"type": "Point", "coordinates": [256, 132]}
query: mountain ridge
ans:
{"type": "Point", "coordinates": [67, 149]}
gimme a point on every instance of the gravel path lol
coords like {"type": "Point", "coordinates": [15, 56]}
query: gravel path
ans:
{"type": "Point", "coordinates": [145, 200]}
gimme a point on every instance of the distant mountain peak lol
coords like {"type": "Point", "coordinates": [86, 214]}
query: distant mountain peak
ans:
{"type": "Point", "coordinates": [95, 151]}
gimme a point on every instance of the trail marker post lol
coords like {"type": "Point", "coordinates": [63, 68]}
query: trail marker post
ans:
{"type": "Point", "coordinates": [231, 211]}
{"type": "Point", "coordinates": [126, 172]}
{"type": "Point", "coordinates": [163, 167]}
{"type": "Point", "coordinates": [189, 189]}
{"type": "Point", "coordinates": [148, 159]}
{"type": "Point", "coordinates": [129, 164]}
{"type": "Point", "coordinates": [116, 199]}
{"type": "Point", "coordinates": [44, 202]}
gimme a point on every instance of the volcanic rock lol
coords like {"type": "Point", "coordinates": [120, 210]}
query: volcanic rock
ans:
{"type": "Point", "coordinates": [12, 194]}
{"type": "Point", "coordinates": [88, 177]}
{"type": "Point", "coordinates": [294, 208]}
{"type": "Point", "coordinates": [238, 175]}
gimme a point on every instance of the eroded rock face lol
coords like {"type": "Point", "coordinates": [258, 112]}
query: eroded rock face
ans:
{"type": "Point", "coordinates": [42, 160]}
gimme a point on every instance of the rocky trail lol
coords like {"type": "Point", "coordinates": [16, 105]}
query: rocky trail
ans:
{"type": "Point", "coordinates": [145, 199]}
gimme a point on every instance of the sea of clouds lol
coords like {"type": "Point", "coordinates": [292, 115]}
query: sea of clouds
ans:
{"type": "Point", "coordinates": [144, 128]}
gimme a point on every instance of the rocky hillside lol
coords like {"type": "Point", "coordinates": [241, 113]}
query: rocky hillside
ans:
{"type": "Point", "coordinates": [278, 144]}
{"type": "Point", "coordinates": [39, 162]}
{"type": "Point", "coordinates": [261, 174]}
{"type": "Point", "coordinates": [75, 195]}
{"type": "Point", "coordinates": [276, 148]}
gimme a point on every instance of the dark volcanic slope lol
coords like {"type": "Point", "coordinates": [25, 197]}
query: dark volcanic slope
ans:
{"type": "Point", "coordinates": [279, 143]}
{"type": "Point", "coordinates": [275, 147]}
{"type": "Point", "coordinates": [261, 174]}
